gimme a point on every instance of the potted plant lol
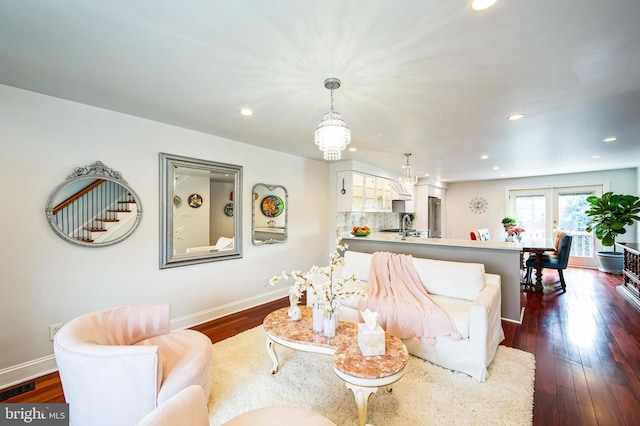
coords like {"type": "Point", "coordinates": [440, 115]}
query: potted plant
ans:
{"type": "Point", "coordinates": [508, 219]}
{"type": "Point", "coordinates": [509, 223]}
{"type": "Point", "coordinates": [610, 214]}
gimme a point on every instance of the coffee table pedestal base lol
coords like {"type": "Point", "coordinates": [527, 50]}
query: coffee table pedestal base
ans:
{"type": "Point", "coordinates": [362, 389]}
{"type": "Point", "coordinates": [272, 354]}
{"type": "Point", "coordinates": [362, 395]}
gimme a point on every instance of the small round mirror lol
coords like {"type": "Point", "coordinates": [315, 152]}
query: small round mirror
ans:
{"type": "Point", "coordinates": [94, 207]}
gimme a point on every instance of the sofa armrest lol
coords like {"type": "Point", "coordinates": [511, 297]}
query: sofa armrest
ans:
{"type": "Point", "coordinates": [491, 291]}
{"type": "Point", "coordinates": [492, 279]}
{"type": "Point", "coordinates": [485, 326]}
{"type": "Point", "coordinates": [187, 407]}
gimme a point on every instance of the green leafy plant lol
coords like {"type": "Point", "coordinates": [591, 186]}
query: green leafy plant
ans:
{"type": "Point", "coordinates": [610, 214]}
{"type": "Point", "coordinates": [508, 219]}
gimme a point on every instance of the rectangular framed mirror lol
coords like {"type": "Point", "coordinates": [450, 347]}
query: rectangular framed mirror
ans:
{"type": "Point", "coordinates": [200, 211]}
{"type": "Point", "coordinates": [269, 214]}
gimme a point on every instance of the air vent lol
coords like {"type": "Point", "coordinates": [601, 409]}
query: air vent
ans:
{"type": "Point", "coordinates": [17, 390]}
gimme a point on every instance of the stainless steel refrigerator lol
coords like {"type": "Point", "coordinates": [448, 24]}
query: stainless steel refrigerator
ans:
{"type": "Point", "coordinates": [435, 220]}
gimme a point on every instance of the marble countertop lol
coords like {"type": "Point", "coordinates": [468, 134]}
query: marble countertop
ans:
{"type": "Point", "coordinates": [393, 237]}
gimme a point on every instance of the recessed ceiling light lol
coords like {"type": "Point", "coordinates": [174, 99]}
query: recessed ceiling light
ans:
{"type": "Point", "coordinates": [482, 4]}
{"type": "Point", "coordinates": [352, 149]}
{"type": "Point", "coordinates": [484, 157]}
{"type": "Point", "coordinates": [496, 168]}
{"type": "Point", "coordinates": [595, 157]}
{"type": "Point", "coordinates": [516, 116]}
{"type": "Point", "coordinates": [610, 139]}
{"type": "Point", "coordinates": [246, 111]}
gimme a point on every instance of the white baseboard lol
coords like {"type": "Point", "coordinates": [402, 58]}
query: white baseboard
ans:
{"type": "Point", "coordinates": [230, 308]}
{"type": "Point", "coordinates": [30, 370]}
{"type": "Point", "coordinates": [627, 294]}
{"type": "Point", "coordinates": [27, 371]}
{"type": "Point", "coordinates": [514, 321]}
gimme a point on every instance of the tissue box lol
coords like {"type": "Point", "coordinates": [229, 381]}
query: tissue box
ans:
{"type": "Point", "coordinates": [371, 342]}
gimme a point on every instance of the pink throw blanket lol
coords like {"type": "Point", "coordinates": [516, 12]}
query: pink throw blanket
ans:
{"type": "Point", "coordinates": [404, 307]}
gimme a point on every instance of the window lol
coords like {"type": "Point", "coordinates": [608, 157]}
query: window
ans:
{"type": "Point", "coordinates": [543, 211]}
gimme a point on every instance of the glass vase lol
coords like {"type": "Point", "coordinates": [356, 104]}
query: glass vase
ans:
{"type": "Point", "coordinates": [294, 309]}
{"type": "Point", "coordinates": [318, 317]}
{"type": "Point", "coordinates": [330, 324]}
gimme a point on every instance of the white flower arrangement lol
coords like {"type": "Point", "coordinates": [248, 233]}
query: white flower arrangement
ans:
{"type": "Point", "coordinates": [331, 292]}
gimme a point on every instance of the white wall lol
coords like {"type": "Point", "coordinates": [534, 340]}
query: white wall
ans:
{"type": "Point", "coordinates": [191, 224]}
{"type": "Point", "coordinates": [221, 225]}
{"type": "Point", "coordinates": [45, 280]}
{"type": "Point", "coordinates": [461, 220]}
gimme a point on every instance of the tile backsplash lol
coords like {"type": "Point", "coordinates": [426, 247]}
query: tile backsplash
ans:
{"type": "Point", "coordinates": [376, 221]}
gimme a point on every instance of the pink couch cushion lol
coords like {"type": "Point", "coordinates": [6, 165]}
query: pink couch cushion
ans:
{"type": "Point", "coordinates": [186, 357]}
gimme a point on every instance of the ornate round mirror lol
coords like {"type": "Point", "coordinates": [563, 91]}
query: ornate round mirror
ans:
{"type": "Point", "coordinates": [94, 207]}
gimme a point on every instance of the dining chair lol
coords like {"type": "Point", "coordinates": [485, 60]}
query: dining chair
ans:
{"type": "Point", "coordinates": [558, 262]}
{"type": "Point", "coordinates": [549, 254]}
{"type": "Point", "coordinates": [481, 234]}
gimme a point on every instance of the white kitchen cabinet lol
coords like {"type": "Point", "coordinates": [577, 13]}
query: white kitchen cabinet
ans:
{"type": "Point", "coordinates": [383, 194]}
{"type": "Point", "coordinates": [360, 192]}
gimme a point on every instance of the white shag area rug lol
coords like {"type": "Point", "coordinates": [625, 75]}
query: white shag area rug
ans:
{"type": "Point", "coordinates": [427, 395]}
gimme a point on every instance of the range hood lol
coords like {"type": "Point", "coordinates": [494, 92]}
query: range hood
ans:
{"type": "Point", "coordinates": [399, 192]}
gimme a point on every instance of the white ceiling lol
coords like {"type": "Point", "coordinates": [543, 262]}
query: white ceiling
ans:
{"type": "Point", "coordinates": [429, 77]}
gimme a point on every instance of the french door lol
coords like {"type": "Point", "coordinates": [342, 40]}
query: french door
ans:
{"type": "Point", "coordinates": [543, 211]}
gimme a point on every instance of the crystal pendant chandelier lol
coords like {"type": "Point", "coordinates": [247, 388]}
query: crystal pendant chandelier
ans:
{"type": "Point", "coordinates": [332, 134]}
{"type": "Point", "coordinates": [407, 177]}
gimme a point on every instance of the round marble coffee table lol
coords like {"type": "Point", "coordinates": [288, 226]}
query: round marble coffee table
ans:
{"type": "Point", "coordinates": [363, 375]}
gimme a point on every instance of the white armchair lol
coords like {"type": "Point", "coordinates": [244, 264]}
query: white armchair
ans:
{"type": "Point", "coordinates": [119, 364]}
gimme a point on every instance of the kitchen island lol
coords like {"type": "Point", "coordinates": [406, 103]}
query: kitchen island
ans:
{"type": "Point", "coordinates": [498, 257]}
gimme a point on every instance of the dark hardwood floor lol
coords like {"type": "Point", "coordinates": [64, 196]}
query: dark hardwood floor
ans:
{"type": "Point", "coordinates": [587, 347]}
{"type": "Point", "coordinates": [586, 342]}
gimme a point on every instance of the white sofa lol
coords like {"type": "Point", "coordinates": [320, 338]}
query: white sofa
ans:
{"type": "Point", "coordinates": [470, 296]}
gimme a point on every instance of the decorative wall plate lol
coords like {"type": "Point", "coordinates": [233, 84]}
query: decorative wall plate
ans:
{"type": "Point", "coordinates": [228, 209]}
{"type": "Point", "coordinates": [478, 205]}
{"type": "Point", "coordinates": [272, 206]}
{"type": "Point", "coordinates": [195, 200]}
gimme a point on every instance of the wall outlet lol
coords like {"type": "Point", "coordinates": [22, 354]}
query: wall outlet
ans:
{"type": "Point", "coordinates": [53, 329]}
